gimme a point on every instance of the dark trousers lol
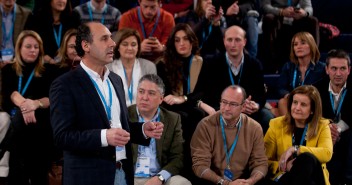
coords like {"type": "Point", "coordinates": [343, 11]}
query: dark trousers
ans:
{"type": "Point", "coordinates": [306, 170]}
{"type": "Point", "coordinates": [277, 38]}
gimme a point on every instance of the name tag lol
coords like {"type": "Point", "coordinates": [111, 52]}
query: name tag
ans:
{"type": "Point", "coordinates": [142, 167]}
{"type": "Point", "coordinates": [120, 153]}
{"type": "Point", "coordinates": [228, 175]}
{"type": "Point", "coordinates": [7, 54]}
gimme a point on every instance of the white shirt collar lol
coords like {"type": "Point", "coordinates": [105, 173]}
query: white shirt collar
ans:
{"type": "Point", "coordinates": [94, 74]}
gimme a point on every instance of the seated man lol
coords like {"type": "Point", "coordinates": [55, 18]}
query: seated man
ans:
{"type": "Point", "coordinates": [282, 19]}
{"type": "Point", "coordinates": [228, 147]}
{"type": "Point", "coordinates": [244, 13]}
{"type": "Point", "coordinates": [162, 160]}
{"type": "Point", "coordinates": [235, 67]}
{"type": "Point", "coordinates": [100, 11]}
{"type": "Point", "coordinates": [153, 24]}
{"type": "Point", "coordinates": [336, 95]}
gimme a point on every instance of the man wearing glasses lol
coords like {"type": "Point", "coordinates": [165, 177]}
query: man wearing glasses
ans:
{"type": "Point", "coordinates": [228, 147]}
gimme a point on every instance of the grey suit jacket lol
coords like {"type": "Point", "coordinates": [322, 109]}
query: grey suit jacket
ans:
{"type": "Point", "coordinates": [170, 146]}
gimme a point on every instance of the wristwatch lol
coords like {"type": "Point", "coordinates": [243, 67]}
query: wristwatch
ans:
{"type": "Point", "coordinates": [161, 178]}
{"type": "Point", "coordinates": [220, 182]}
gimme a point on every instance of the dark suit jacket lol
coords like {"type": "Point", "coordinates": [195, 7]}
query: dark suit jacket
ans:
{"type": "Point", "coordinates": [215, 78]}
{"type": "Point", "coordinates": [77, 118]}
{"type": "Point", "coordinates": [170, 146]}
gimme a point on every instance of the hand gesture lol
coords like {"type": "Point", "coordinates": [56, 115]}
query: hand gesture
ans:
{"type": "Point", "coordinates": [234, 9]}
{"type": "Point", "coordinates": [153, 129]}
{"type": "Point", "coordinates": [117, 137]}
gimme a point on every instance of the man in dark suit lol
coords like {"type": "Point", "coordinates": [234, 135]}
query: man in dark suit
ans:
{"type": "Point", "coordinates": [89, 116]}
{"type": "Point", "coordinates": [336, 96]}
{"type": "Point", "coordinates": [236, 67]}
{"type": "Point", "coordinates": [164, 157]}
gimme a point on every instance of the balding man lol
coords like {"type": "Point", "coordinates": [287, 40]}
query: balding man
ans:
{"type": "Point", "coordinates": [227, 148]}
{"type": "Point", "coordinates": [235, 67]}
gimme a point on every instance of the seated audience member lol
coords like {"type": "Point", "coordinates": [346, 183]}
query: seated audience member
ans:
{"type": "Point", "coordinates": [222, 157]}
{"type": "Point", "coordinates": [154, 25]}
{"type": "Point", "coordinates": [235, 67]}
{"type": "Point", "coordinates": [161, 161]}
{"type": "Point", "coordinates": [181, 68]}
{"type": "Point", "coordinates": [303, 69]}
{"type": "Point", "coordinates": [336, 95]}
{"type": "Point", "coordinates": [205, 22]}
{"type": "Point", "coordinates": [51, 22]}
{"type": "Point", "coordinates": [67, 57]}
{"type": "Point", "coordinates": [97, 10]}
{"type": "Point", "coordinates": [244, 13]}
{"type": "Point", "coordinates": [25, 92]}
{"type": "Point", "coordinates": [281, 20]}
{"type": "Point", "coordinates": [127, 64]}
{"type": "Point", "coordinates": [298, 145]}
{"type": "Point", "coordinates": [13, 19]}
{"type": "Point", "coordinates": [178, 8]}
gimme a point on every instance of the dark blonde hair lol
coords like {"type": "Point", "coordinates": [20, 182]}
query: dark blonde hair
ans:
{"type": "Point", "coordinates": [314, 51]}
{"type": "Point", "coordinates": [315, 107]}
{"type": "Point", "coordinates": [18, 63]}
{"type": "Point", "coordinates": [61, 53]}
{"type": "Point", "coordinates": [123, 34]}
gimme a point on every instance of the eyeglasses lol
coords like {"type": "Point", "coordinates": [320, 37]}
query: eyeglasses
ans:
{"type": "Point", "coordinates": [231, 104]}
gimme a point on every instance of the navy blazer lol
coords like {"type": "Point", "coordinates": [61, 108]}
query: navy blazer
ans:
{"type": "Point", "coordinates": [77, 118]}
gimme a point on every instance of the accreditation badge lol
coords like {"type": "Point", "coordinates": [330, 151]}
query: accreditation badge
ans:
{"type": "Point", "coordinates": [142, 167]}
{"type": "Point", "coordinates": [7, 54]}
{"type": "Point", "coordinates": [228, 175]}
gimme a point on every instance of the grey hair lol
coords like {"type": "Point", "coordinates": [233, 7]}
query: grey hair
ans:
{"type": "Point", "coordinates": [154, 79]}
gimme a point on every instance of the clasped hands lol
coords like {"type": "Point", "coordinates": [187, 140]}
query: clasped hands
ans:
{"type": "Point", "coordinates": [120, 137]}
{"type": "Point", "coordinates": [286, 160]}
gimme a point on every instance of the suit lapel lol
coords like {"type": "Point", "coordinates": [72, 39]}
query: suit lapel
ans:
{"type": "Point", "coordinates": [86, 84]}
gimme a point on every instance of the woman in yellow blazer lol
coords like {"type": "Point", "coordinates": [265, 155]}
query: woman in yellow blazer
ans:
{"type": "Point", "coordinates": [298, 145]}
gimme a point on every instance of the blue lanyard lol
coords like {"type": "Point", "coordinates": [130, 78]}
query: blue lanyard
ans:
{"type": "Point", "coordinates": [9, 35]}
{"type": "Point", "coordinates": [204, 36]}
{"type": "Point", "coordinates": [27, 83]}
{"type": "Point", "coordinates": [233, 146]}
{"type": "Point", "coordinates": [289, 2]}
{"type": "Point", "coordinates": [91, 14]}
{"type": "Point", "coordinates": [129, 88]}
{"type": "Point", "coordinates": [332, 100]}
{"type": "Point", "coordinates": [189, 76]}
{"type": "Point", "coordinates": [142, 26]}
{"type": "Point", "coordinates": [230, 71]}
{"type": "Point", "coordinates": [155, 118]}
{"type": "Point", "coordinates": [303, 136]}
{"type": "Point", "coordinates": [57, 35]}
{"type": "Point", "coordinates": [107, 107]}
{"type": "Point", "coordinates": [295, 76]}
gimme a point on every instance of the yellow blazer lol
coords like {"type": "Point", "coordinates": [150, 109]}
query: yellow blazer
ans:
{"type": "Point", "coordinates": [277, 141]}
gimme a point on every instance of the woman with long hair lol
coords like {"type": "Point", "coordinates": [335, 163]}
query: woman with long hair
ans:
{"type": "Point", "coordinates": [298, 145]}
{"type": "Point", "coordinates": [303, 69]}
{"type": "Point", "coordinates": [25, 92]}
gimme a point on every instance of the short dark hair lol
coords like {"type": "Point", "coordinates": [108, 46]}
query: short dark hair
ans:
{"type": "Point", "coordinates": [83, 34]}
{"type": "Point", "coordinates": [154, 79]}
{"type": "Point", "coordinates": [338, 53]}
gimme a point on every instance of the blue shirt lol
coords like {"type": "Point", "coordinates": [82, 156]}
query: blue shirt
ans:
{"type": "Point", "coordinates": [150, 151]}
